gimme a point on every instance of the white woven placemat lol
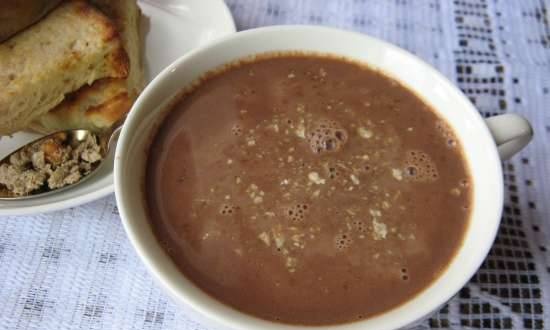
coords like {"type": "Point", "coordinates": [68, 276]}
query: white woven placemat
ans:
{"type": "Point", "coordinates": [75, 269]}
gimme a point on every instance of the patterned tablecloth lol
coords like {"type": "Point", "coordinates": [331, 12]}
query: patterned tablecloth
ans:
{"type": "Point", "coordinates": [75, 269]}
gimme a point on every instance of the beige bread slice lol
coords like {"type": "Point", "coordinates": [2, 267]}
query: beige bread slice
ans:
{"type": "Point", "coordinates": [126, 15]}
{"type": "Point", "coordinates": [74, 45]}
{"type": "Point", "coordinates": [96, 107]}
{"type": "Point", "coordinates": [99, 106]}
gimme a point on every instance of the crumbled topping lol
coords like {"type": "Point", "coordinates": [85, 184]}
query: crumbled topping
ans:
{"type": "Point", "coordinates": [264, 237]}
{"type": "Point", "coordinates": [397, 174]}
{"type": "Point", "coordinates": [258, 199]}
{"type": "Point", "coordinates": [279, 240]}
{"type": "Point", "coordinates": [375, 213]}
{"type": "Point", "coordinates": [364, 133]}
{"type": "Point", "coordinates": [380, 230]}
{"type": "Point", "coordinates": [315, 178]}
{"type": "Point", "coordinates": [301, 131]}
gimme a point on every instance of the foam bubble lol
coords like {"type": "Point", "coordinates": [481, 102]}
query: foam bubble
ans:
{"type": "Point", "coordinates": [446, 131]}
{"type": "Point", "coordinates": [332, 172]}
{"type": "Point", "coordinates": [404, 274]}
{"type": "Point", "coordinates": [297, 212]}
{"type": "Point", "coordinates": [237, 130]}
{"type": "Point", "coordinates": [420, 167]}
{"type": "Point", "coordinates": [359, 226]}
{"type": "Point", "coordinates": [228, 209]}
{"type": "Point", "coordinates": [326, 136]}
{"type": "Point", "coordinates": [342, 241]}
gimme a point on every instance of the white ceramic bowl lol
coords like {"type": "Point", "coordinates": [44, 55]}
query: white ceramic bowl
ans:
{"type": "Point", "coordinates": [480, 150]}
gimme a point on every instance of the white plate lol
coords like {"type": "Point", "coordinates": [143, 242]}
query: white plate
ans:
{"type": "Point", "coordinates": [171, 28]}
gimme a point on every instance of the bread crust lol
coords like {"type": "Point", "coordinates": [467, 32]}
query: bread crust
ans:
{"type": "Point", "coordinates": [71, 47]}
{"type": "Point", "coordinates": [96, 107]}
{"type": "Point", "coordinates": [101, 105]}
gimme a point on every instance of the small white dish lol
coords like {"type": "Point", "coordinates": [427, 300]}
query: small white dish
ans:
{"type": "Point", "coordinates": [171, 28]}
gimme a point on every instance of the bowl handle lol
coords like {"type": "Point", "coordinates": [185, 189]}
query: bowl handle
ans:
{"type": "Point", "coordinates": [511, 132]}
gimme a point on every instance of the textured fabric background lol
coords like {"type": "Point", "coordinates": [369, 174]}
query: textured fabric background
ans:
{"type": "Point", "coordinates": [74, 269]}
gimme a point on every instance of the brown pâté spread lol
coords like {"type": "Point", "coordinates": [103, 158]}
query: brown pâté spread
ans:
{"type": "Point", "coordinates": [49, 164]}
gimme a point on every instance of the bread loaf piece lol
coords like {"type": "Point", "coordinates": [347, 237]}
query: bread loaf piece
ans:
{"type": "Point", "coordinates": [126, 16]}
{"type": "Point", "coordinates": [98, 106]}
{"type": "Point", "coordinates": [73, 46]}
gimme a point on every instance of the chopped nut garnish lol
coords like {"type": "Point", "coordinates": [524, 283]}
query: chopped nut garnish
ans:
{"type": "Point", "coordinates": [274, 127]}
{"type": "Point", "coordinates": [301, 131]}
{"type": "Point", "coordinates": [375, 213]}
{"type": "Point", "coordinates": [291, 262]}
{"type": "Point", "coordinates": [397, 174]}
{"type": "Point", "coordinates": [264, 237]}
{"type": "Point", "coordinates": [279, 239]}
{"type": "Point", "coordinates": [315, 178]}
{"type": "Point", "coordinates": [364, 133]}
{"type": "Point", "coordinates": [380, 230]}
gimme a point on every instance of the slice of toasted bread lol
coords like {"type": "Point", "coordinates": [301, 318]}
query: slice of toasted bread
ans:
{"type": "Point", "coordinates": [99, 106]}
{"type": "Point", "coordinates": [74, 45]}
{"type": "Point", "coordinates": [126, 15]}
{"type": "Point", "coordinates": [95, 107]}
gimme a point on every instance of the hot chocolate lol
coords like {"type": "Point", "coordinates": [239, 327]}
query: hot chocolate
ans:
{"type": "Point", "coordinates": [307, 190]}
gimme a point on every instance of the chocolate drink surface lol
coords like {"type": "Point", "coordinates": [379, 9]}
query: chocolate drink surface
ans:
{"type": "Point", "coordinates": [306, 189]}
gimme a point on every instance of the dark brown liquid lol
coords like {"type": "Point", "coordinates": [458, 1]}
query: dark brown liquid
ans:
{"type": "Point", "coordinates": [307, 190]}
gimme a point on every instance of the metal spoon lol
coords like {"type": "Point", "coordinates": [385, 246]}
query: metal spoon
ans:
{"type": "Point", "coordinates": [106, 140]}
